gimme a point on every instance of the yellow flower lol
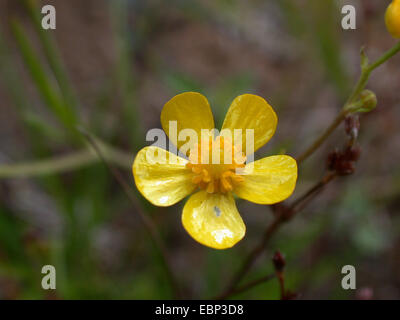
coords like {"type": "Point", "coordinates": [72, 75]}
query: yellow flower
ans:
{"type": "Point", "coordinates": [392, 18]}
{"type": "Point", "coordinates": [210, 215]}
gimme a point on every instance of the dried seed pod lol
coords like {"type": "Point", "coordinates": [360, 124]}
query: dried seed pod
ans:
{"type": "Point", "coordinates": [352, 153]}
{"type": "Point", "coordinates": [331, 160]}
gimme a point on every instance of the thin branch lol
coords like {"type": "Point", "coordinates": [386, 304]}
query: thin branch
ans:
{"type": "Point", "coordinates": [321, 139]}
{"type": "Point", "coordinates": [281, 279]}
{"type": "Point", "coordinates": [147, 222]}
{"type": "Point", "coordinates": [65, 163]}
{"type": "Point", "coordinates": [252, 256]}
{"type": "Point", "coordinates": [52, 53]}
{"type": "Point", "coordinates": [385, 57]}
{"type": "Point", "coordinates": [302, 201]}
{"type": "Point", "coordinates": [246, 287]}
{"type": "Point", "coordinates": [283, 215]}
{"type": "Point", "coordinates": [366, 71]}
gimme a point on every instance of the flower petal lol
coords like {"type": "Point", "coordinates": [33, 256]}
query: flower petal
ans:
{"type": "Point", "coordinates": [190, 110]}
{"type": "Point", "coordinates": [213, 220]}
{"type": "Point", "coordinates": [162, 177]}
{"type": "Point", "coordinates": [249, 111]}
{"type": "Point", "coordinates": [271, 180]}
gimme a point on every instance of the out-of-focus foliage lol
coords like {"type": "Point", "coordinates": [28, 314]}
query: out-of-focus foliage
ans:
{"type": "Point", "coordinates": [111, 65]}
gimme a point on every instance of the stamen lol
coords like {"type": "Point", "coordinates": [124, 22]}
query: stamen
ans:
{"type": "Point", "coordinates": [216, 177]}
{"type": "Point", "coordinates": [197, 179]}
{"type": "Point", "coordinates": [211, 187]}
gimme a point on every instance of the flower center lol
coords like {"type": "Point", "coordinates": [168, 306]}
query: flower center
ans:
{"type": "Point", "coordinates": [214, 162]}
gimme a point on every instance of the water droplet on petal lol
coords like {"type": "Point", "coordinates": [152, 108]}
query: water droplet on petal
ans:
{"type": "Point", "coordinates": [217, 211]}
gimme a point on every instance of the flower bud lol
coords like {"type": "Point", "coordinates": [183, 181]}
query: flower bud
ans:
{"type": "Point", "coordinates": [278, 261]}
{"type": "Point", "coordinates": [368, 101]}
{"type": "Point", "coordinates": [392, 19]}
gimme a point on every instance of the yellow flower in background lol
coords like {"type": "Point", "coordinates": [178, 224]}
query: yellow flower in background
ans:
{"type": "Point", "coordinates": [392, 19]}
{"type": "Point", "coordinates": [210, 215]}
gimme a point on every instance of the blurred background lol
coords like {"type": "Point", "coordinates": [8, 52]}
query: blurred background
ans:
{"type": "Point", "coordinates": [111, 65]}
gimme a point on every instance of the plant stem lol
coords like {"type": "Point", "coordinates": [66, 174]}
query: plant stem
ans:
{"type": "Point", "coordinates": [246, 287]}
{"type": "Point", "coordinates": [366, 71]}
{"type": "Point", "coordinates": [65, 163]}
{"type": "Point", "coordinates": [284, 216]}
{"type": "Point", "coordinates": [386, 56]}
{"type": "Point", "coordinates": [49, 94]}
{"type": "Point", "coordinates": [252, 257]}
{"type": "Point", "coordinates": [52, 54]}
{"type": "Point", "coordinates": [302, 201]}
{"type": "Point", "coordinates": [321, 139]}
{"type": "Point", "coordinates": [281, 279]}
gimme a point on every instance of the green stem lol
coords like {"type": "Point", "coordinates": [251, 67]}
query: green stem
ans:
{"type": "Point", "coordinates": [42, 81]}
{"type": "Point", "coordinates": [320, 140]}
{"type": "Point", "coordinates": [366, 71]}
{"type": "Point", "coordinates": [61, 164]}
{"type": "Point", "coordinates": [386, 56]}
{"type": "Point", "coordinates": [52, 54]}
{"type": "Point", "coordinates": [124, 76]}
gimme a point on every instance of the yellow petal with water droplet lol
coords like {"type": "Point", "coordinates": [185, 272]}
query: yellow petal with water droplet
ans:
{"type": "Point", "coordinates": [213, 220]}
